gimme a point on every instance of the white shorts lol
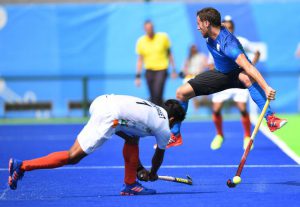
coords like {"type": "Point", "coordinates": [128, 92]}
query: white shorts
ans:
{"type": "Point", "coordinates": [237, 94]}
{"type": "Point", "coordinates": [100, 125]}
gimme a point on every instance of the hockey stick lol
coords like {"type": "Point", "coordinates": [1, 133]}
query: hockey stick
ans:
{"type": "Point", "coordinates": [237, 179]}
{"type": "Point", "coordinates": [187, 180]}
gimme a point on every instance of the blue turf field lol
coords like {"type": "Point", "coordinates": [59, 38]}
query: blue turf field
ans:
{"type": "Point", "coordinates": [269, 179]}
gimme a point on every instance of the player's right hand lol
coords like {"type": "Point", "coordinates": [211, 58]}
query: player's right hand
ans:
{"type": "Point", "coordinates": [270, 93]}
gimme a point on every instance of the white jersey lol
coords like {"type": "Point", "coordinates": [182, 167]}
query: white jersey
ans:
{"type": "Point", "coordinates": [247, 45]}
{"type": "Point", "coordinates": [197, 64]}
{"type": "Point", "coordinates": [138, 117]}
{"type": "Point", "coordinates": [134, 116]}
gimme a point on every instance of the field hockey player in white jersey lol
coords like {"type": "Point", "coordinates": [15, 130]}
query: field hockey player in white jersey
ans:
{"type": "Point", "coordinates": [126, 116]}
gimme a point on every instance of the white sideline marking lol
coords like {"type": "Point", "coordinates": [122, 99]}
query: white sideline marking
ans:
{"type": "Point", "coordinates": [4, 193]}
{"type": "Point", "coordinates": [172, 167]}
{"type": "Point", "coordinates": [276, 140]}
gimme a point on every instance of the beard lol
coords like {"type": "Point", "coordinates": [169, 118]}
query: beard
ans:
{"type": "Point", "coordinates": [205, 35]}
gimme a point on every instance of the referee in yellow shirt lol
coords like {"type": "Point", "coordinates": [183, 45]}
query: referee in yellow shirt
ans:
{"type": "Point", "coordinates": [154, 52]}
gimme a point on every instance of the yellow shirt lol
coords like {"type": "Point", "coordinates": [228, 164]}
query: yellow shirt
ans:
{"type": "Point", "coordinates": [154, 51]}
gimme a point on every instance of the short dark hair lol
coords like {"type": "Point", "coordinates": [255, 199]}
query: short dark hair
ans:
{"type": "Point", "coordinates": [211, 15]}
{"type": "Point", "coordinates": [174, 109]}
{"type": "Point", "coordinates": [148, 21]}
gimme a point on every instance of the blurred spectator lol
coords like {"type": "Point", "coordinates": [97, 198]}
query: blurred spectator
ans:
{"type": "Point", "coordinates": [197, 62]}
{"type": "Point", "coordinates": [297, 53]}
{"type": "Point", "coordinates": [154, 53]}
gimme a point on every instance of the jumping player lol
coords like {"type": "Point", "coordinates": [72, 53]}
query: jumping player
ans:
{"type": "Point", "coordinates": [239, 96]}
{"type": "Point", "coordinates": [128, 117]}
{"type": "Point", "coordinates": [232, 70]}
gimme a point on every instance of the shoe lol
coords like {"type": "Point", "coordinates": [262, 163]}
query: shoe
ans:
{"type": "Point", "coordinates": [15, 173]}
{"type": "Point", "coordinates": [136, 189]}
{"type": "Point", "coordinates": [217, 142]}
{"type": "Point", "coordinates": [175, 140]}
{"type": "Point", "coordinates": [246, 142]}
{"type": "Point", "coordinates": [275, 123]}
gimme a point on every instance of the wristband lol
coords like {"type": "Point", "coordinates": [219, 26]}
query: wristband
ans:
{"type": "Point", "coordinates": [138, 75]}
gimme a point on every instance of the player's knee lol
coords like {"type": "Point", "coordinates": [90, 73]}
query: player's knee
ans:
{"type": "Point", "coordinates": [217, 113]}
{"type": "Point", "coordinates": [75, 158]}
{"type": "Point", "coordinates": [246, 79]}
{"type": "Point", "coordinates": [180, 95]}
{"type": "Point", "coordinates": [131, 141]}
{"type": "Point", "coordinates": [248, 83]}
{"type": "Point", "coordinates": [244, 113]}
{"type": "Point", "coordinates": [73, 161]}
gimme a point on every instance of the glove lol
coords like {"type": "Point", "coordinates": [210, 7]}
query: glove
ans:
{"type": "Point", "coordinates": [143, 174]}
{"type": "Point", "coordinates": [152, 176]}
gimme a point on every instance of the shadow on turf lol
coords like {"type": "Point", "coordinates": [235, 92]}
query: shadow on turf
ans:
{"type": "Point", "coordinates": [293, 183]}
{"type": "Point", "coordinates": [183, 193]}
{"type": "Point", "coordinates": [117, 195]}
{"type": "Point", "coordinates": [170, 193]}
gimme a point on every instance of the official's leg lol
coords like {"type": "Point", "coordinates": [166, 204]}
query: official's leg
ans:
{"type": "Point", "coordinates": [150, 77]}
{"type": "Point", "coordinates": [158, 86]}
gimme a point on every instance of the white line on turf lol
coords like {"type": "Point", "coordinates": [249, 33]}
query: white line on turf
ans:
{"type": "Point", "coordinates": [4, 193]}
{"type": "Point", "coordinates": [172, 167]}
{"type": "Point", "coordinates": [277, 141]}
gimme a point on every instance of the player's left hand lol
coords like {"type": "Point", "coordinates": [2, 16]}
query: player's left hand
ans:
{"type": "Point", "coordinates": [270, 93]}
{"type": "Point", "coordinates": [143, 174]}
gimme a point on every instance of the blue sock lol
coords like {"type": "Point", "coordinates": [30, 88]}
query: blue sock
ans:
{"type": "Point", "coordinates": [259, 97]}
{"type": "Point", "coordinates": [176, 128]}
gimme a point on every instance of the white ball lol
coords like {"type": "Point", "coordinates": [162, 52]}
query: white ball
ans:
{"type": "Point", "coordinates": [237, 179]}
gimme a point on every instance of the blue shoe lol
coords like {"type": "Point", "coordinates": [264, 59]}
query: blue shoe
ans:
{"type": "Point", "coordinates": [15, 173]}
{"type": "Point", "coordinates": [136, 189]}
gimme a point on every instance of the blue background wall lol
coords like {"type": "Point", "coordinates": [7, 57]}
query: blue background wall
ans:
{"type": "Point", "coordinates": [99, 39]}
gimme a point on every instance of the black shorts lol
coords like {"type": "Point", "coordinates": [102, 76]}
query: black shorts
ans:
{"type": "Point", "coordinates": [213, 81]}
